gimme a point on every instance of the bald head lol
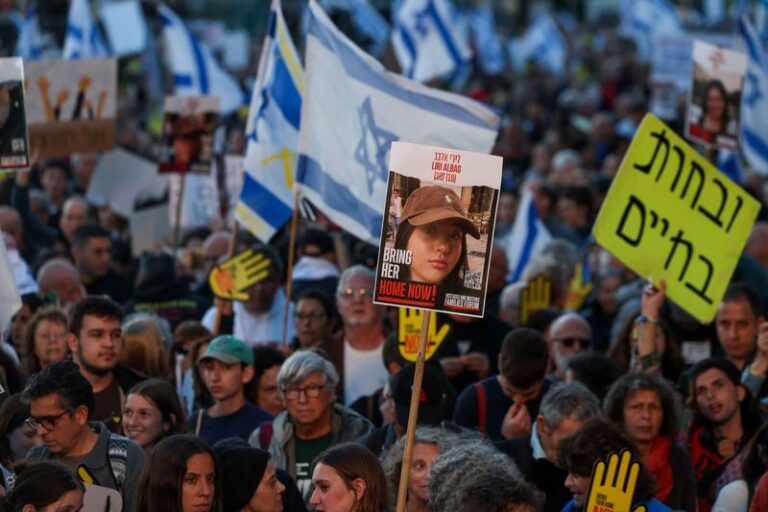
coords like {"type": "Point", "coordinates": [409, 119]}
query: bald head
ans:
{"type": "Point", "coordinates": [509, 303]}
{"type": "Point", "coordinates": [569, 336]}
{"type": "Point", "coordinates": [73, 214]}
{"type": "Point", "coordinates": [757, 245]}
{"type": "Point", "coordinates": [60, 277]}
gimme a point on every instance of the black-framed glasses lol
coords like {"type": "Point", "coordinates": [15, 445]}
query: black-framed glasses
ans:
{"type": "Point", "coordinates": [309, 392]}
{"type": "Point", "coordinates": [348, 293]}
{"type": "Point", "coordinates": [47, 422]}
{"type": "Point", "coordinates": [584, 343]}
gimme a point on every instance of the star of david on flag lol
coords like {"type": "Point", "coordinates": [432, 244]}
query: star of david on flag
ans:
{"type": "Point", "coordinates": [352, 110]}
{"type": "Point", "coordinates": [266, 200]}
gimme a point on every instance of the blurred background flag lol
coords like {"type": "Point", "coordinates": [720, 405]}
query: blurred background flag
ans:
{"type": "Point", "coordinates": [30, 44]}
{"type": "Point", "coordinates": [195, 70]}
{"type": "Point", "coordinates": [528, 237]}
{"type": "Point", "coordinates": [641, 19]}
{"type": "Point", "coordinates": [426, 41]}
{"type": "Point", "coordinates": [754, 100]}
{"type": "Point", "coordinates": [83, 39]}
{"type": "Point", "coordinates": [353, 110]}
{"type": "Point", "coordinates": [488, 50]}
{"type": "Point", "coordinates": [542, 43]}
{"type": "Point", "coordinates": [266, 200]}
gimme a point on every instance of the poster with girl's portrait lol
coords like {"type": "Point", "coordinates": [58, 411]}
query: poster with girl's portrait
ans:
{"type": "Point", "coordinates": [437, 231]}
{"type": "Point", "coordinates": [188, 134]}
{"type": "Point", "coordinates": [715, 98]}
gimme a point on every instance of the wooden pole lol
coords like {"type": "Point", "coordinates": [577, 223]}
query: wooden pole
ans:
{"type": "Point", "coordinates": [289, 279]}
{"type": "Point", "coordinates": [230, 253]}
{"type": "Point", "coordinates": [177, 223]}
{"type": "Point", "coordinates": [413, 414]}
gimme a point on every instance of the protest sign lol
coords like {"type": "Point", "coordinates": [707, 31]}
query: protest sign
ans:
{"type": "Point", "coordinates": [71, 105]}
{"type": "Point", "coordinates": [715, 97]}
{"type": "Point", "coordinates": [230, 279]}
{"type": "Point", "coordinates": [150, 230]}
{"type": "Point", "coordinates": [670, 72]}
{"type": "Point", "coordinates": [437, 232]}
{"type": "Point", "coordinates": [672, 215]}
{"type": "Point", "coordinates": [534, 297]}
{"type": "Point", "coordinates": [409, 323]}
{"type": "Point", "coordinates": [14, 149]}
{"type": "Point", "coordinates": [188, 133]}
{"type": "Point", "coordinates": [199, 204]}
{"type": "Point", "coordinates": [612, 486]}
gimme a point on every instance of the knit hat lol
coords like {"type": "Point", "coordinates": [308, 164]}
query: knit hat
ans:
{"type": "Point", "coordinates": [431, 203]}
{"type": "Point", "coordinates": [242, 468]}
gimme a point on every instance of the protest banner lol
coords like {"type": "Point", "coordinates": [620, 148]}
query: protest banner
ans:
{"type": "Point", "coordinates": [409, 323]}
{"type": "Point", "coordinates": [715, 96]}
{"type": "Point", "coordinates": [670, 214]}
{"type": "Point", "coordinates": [188, 134]}
{"type": "Point", "coordinates": [437, 232]}
{"type": "Point", "coordinates": [14, 148]}
{"type": "Point", "coordinates": [71, 105]}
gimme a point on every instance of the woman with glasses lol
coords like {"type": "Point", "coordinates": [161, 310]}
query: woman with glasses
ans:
{"type": "Point", "coordinates": [45, 340]}
{"type": "Point", "coordinates": [43, 487]}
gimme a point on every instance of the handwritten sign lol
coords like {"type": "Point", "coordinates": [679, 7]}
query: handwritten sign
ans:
{"type": "Point", "coordinates": [670, 214]}
{"type": "Point", "coordinates": [408, 331]}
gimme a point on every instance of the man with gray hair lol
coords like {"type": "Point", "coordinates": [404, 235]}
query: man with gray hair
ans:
{"type": "Point", "coordinates": [569, 336]}
{"type": "Point", "coordinates": [564, 410]}
{"type": "Point", "coordinates": [312, 422]}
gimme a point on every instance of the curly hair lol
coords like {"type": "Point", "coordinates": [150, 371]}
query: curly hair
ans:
{"type": "Point", "coordinates": [625, 386]}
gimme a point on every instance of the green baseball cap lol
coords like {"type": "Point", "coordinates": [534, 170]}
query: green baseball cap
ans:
{"type": "Point", "coordinates": [228, 350]}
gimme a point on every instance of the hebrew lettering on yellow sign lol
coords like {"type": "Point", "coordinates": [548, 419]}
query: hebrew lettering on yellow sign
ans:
{"type": "Point", "coordinates": [537, 295]}
{"type": "Point", "coordinates": [612, 489]}
{"type": "Point", "coordinates": [409, 329]}
{"type": "Point", "coordinates": [230, 279]}
{"type": "Point", "coordinates": [672, 215]}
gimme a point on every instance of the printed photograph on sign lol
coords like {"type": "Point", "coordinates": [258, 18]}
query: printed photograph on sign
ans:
{"type": "Point", "coordinates": [437, 231]}
{"type": "Point", "coordinates": [715, 96]}
{"type": "Point", "coordinates": [14, 150]}
{"type": "Point", "coordinates": [188, 134]}
{"type": "Point", "coordinates": [71, 105]}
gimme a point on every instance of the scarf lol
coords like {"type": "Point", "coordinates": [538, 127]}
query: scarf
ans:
{"type": "Point", "coordinates": [658, 464]}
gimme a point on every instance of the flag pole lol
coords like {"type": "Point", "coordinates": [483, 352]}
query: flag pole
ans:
{"type": "Point", "coordinates": [289, 279]}
{"type": "Point", "coordinates": [177, 222]}
{"type": "Point", "coordinates": [230, 253]}
{"type": "Point", "coordinates": [413, 414]}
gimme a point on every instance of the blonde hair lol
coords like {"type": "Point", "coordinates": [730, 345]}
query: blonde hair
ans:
{"type": "Point", "coordinates": [142, 348]}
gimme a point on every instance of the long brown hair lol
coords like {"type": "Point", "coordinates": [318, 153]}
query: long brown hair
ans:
{"type": "Point", "coordinates": [50, 314]}
{"type": "Point", "coordinates": [352, 461]}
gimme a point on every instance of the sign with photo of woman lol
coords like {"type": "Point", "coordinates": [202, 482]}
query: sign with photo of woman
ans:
{"type": "Point", "coordinates": [188, 134]}
{"type": "Point", "coordinates": [436, 254]}
{"type": "Point", "coordinates": [715, 97]}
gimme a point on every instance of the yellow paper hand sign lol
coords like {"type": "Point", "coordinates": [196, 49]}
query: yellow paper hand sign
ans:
{"type": "Point", "coordinates": [409, 329]}
{"type": "Point", "coordinates": [612, 489]}
{"type": "Point", "coordinates": [537, 295]}
{"type": "Point", "coordinates": [579, 290]}
{"type": "Point", "coordinates": [230, 279]}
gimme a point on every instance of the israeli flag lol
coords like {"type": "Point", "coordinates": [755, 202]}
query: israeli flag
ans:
{"type": "Point", "coordinates": [353, 110]}
{"type": "Point", "coordinates": [754, 100]}
{"type": "Point", "coordinates": [266, 200]}
{"type": "Point", "coordinates": [490, 54]}
{"type": "Point", "coordinates": [543, 43]}
{"type": "Point", "coordinates": [426, 41]}
{"type": "Point", "coordinates": [84, 39]}
{"type": "Point", "coordinates": [527, 238]}
{"type": "Point", "coordinates": [642, 19]}
{"type": "Point", "coordinates": [30, 44]}
{"type": "Point", "coordinates": [195, 70]}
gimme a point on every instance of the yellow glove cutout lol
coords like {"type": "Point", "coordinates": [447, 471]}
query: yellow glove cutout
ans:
{"type": "Point", "coordinates": [231, 278]}
{"type": "Point", "coordinates": [409, 328]}
{"type": "Point", "coordinates": [612, 490]}
{"type": "Point", "coordinates": [537, 295]}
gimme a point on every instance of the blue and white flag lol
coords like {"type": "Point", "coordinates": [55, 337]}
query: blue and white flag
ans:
{"type": "Point", "coordinates": [84, 39]}
{"type": "Point", "coordinates": [266, 200]}
{"type": "Point", "coordinates": [353, 110]}
{"type": "Point", "coordinates": [426, 42]}
{"type": "Point", "coordinates": [754, 100]}
{"type": "Point", "coordinates": [641, 19]}
{"type": "Point", "coordinates": [489, 52]}
{"type": "Point", "coordinates": [527, 238]}
{"type": "Point", "coordinates": [543, 43]}
{"type": "Point", "coordinates": [30, 44]}
{"type": "Point", "coordinates": [195, 70]}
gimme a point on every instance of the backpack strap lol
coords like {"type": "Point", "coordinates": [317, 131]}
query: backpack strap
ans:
{"type": "Point", "coordinates": [265, 434]}
{"type": "Point", "coordinates": [482, 407]}
{"type": "Point", "coordinates": [117, 453]}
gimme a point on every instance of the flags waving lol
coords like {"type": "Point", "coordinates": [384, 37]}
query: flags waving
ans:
{"type": "Point", "coordinates": [528, 237]}
{"type": "Point", "coordinates": [754, 102]}
{"type": "Point", "coordinates": [84, 39]}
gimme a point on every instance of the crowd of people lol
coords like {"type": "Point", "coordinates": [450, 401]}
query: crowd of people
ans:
{"type": "Point", "coordinates": [124, 371]}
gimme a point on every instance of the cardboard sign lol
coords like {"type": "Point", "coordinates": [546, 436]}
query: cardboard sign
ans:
{"type": "Point", "coordinates": [612, 488]}
{"type": "Point", "coordinates": [71, 105]}
{"type": "Point", "coordinates": [715, 99]}
{"type": "Point", "coordinates": [230, 279]}
{"type": "Point", "coordinates": [670, 214]}
{"type": "Point", "coordinates": [437, 231]}
{"type": "Point", "coordinates": [14, 148]}
{"type": "Point", "coordinates": [409, 329]}
{"type": "Point", "coordinates": [534, 297]}
{"type": "Point", "coordinates": [188, 129]}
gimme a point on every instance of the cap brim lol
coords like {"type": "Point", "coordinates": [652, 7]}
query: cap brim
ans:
{"type": "Point", "coordinates": [436, 214]}
{"type": "Point", "coordinates": [224, 358]}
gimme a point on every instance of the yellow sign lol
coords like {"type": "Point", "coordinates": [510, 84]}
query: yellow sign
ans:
{"type": "Point", "coordinates": [612, 489]}
{"type": "Point", "coordinates": [537, 295]}
{"type": "Point", "coordinates": [671, 215]}
{"type": "Point", "coordinates": [230, 279]}
{"type": "Point", "coordinates": [409, 329]}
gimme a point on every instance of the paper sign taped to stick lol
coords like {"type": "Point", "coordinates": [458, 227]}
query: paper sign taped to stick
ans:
{"type": "Point", "coordinates": [408, 331]}
{"type": "Point", "coordinates": [670, 214]}
{"type": "Point", "coordinates": [437, 229]}
{"type": "Point", "coordinates": [230, 279]}
{"type": "Point", "coordinates": [71, 105]}
{"type": "Point", "coordinates": [612, 487]}
{"type": "Point", "coordinates": [14, 149]}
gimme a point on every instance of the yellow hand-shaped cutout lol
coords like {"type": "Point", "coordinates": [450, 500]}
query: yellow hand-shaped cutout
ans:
{"type": "Point", "coordinates": [409, 329]}
{"type": "Point", "coordinates": [230, 279]}
{"type": "Point", "coordinates": [537, 295]}
{"type": "Point", "coordinates": [612, 489]}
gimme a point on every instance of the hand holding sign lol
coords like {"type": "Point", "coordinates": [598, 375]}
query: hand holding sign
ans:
{"type": "Point", "coordinates": [612, 490]}
{"type": "Point", "coordinates": [537, 295]}
{"type": "Point", "coordinates": [231, 278]}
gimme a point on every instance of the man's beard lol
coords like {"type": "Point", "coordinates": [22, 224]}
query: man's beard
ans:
{"type": "Point", "coordinates": [101, 372]}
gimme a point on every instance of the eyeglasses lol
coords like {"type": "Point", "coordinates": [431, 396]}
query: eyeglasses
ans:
{"type": "Point", "coordinates": [352, 292]}
{"type": "Point", "coordinates": [51, 337]}
{"type": "Point", "coordinates": [302, 317]}
{"type": "Point", "coordinates": [47, 422]}
{"type": "Point", "coordinates": [309, 392]}
{"type": "Point", "coordinates": [570, 342]}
